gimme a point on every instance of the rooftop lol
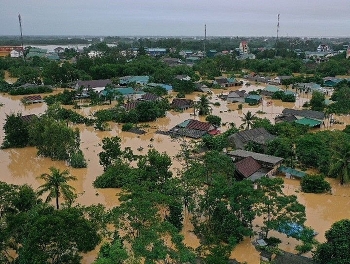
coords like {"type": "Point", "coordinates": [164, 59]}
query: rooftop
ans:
{"type": "Point", "coordinates": [257, 156]}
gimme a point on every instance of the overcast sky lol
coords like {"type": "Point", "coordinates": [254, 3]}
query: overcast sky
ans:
{"type": "Point", "coordinates": [311, 18]}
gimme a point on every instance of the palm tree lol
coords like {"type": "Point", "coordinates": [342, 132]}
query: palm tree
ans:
{"type": "Point", "coordinates": [203, 105]}
{"type": "Point", "coordinates": [248, 119]}
{"type": "Point", "coordinates": [341, 163]}
{"type": "Point", "coordinates": [56, 185]}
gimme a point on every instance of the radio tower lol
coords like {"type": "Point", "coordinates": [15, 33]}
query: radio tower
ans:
{"type": "Point", "coordinates": [278, 29]}
{"type": "Point", "coordinates": [205, 39]}
{"type": "Point", "coordinates": [20, 27]}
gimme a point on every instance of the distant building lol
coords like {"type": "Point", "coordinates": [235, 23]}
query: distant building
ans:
{"type": "Point", "coordinates": [156, 51]}
{"type": "Point", "coordinates": [96, 85]}
{"type": "Point", "coordinates": [243, 47]}
{"type": "Point", "coordinates": [323, 48]}
{"type": "Point", "coordinates": [6, 50]}
{"type": "Point", "coordinates": [348, 53]}
{"type": "Point", "coordinates": [16, 53]}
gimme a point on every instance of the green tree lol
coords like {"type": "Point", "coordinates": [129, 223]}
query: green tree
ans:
{"type": "Point", "coordinates": [203, 105]}
{"type": "Point", "coordinates": [317, 101]}
{"type": "Point", "coordinates": [56, 184]}
{"type": "Point", "coordinates": [45, 235]}
{"type": "Point", "coordinates": [314, 184]}
{"type": "Point", "coordinates": [214, 120]}
{"type": "Point", "coordinates": [340, 162]}
{"type": "Point", "coordinates": [337, 247]}
{"type": "Point", "coordinates": [248, 119]}
{"type": "Point", "coordinates": [276, 207]}
{"type": "Point", "coordinates": [16, 132]}
{"type": "Point", "coordinates": [53, 138]}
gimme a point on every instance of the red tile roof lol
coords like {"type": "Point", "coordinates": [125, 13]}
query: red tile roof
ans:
{"type": "Point", "coordinates": [131, 105]}
{"type": "Point", "coordinates": [247, 166]}
{"type": "Point", "coordinates": [198, 125]}
{"type": "Point", "coordinates": [33, 98]}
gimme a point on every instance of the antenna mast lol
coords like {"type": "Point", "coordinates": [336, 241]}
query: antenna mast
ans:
{"type": "Point", "coordinates": [205, 39]}
{"type": "Point", "coordinates": [20, 27]}
{"type": "Point", "coordinates": [278, 29]}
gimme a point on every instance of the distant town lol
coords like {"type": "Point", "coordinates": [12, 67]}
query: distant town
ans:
{"type": "Point", "coordinates": [174, 149]}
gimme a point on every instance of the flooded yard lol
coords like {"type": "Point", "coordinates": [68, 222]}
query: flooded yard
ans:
{"type": "Point", "coordinates": [22, 166]}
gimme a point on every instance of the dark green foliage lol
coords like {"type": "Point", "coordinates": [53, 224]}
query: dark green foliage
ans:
{"type": "Point", "coordinates": [77, 159]}
{"type": "Point", "coordinates": [114, 177]}
{"type": "Point", "coordinates": [112, 253]}
{"type": "Point", "coordinates": [317, 101]}
{"type": "Point", "coordinates": [175, 216]}
{"type": "Point", "coordinates": [281, 95]}
{"type": "Point", "coordinates": [30, 90]}
{"type": "Point", "coordinates": [337, 247]}
{"type": "Point", "coordinates": [65, 98]}
{"type": "Point", "coordinates": [45, 235]}
{"type": "Point", "coordinates": [276, 207]}
{"type": "Point", "coordinates": [53, 138]}
{"type": "Point", "coordinates": [214, 120]}
{"type": "Point", "coordinates": [203, 105]}
{"type": "Point", "coordinates": [185, 87]}
{"type": "Point", "coordinates": [59, 113]}
{"type": "Point", "coordinates": [127, 126]}
{"type": "Point", "coordinates": [16, 132]}
{"type": "Point", "coordinates": [314, 184]}
{"type": "Point", "coordinates": [341, 96]}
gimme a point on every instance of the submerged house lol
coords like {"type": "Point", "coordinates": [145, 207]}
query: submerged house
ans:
{"type": "Point", "coordinates": [193, 129]}
{"type": "Point", "coordinates": [32, 99]}
{"type": "Point", "coordinates": [253, 99]}
{"type": "Point", "coordinates": [181, 104]}
{"type": "Point", "coordinates": [236, 97]}
{"type": "Point", "coordinates": [269, 164]}
{"type": "Point", "coordinates": [259, 136]}
{"type": "Point", "coordinates": [310, 118]}
{"type": "Point", "coordinates": [96, 85]}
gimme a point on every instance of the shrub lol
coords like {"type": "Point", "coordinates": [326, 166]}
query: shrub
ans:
{"type": "Point", "coordinates": [77, 160]}
{"type": "Point", "coordinates": [314, 184]}
{"type": "Point", "coordinates": [127, 126]}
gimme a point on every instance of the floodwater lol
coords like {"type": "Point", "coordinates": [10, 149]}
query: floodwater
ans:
{"type": "Point", "coordinates": [22, 166]}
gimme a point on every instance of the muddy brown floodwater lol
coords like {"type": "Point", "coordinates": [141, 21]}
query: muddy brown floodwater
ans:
{"type": "Point", "coordinates": [22, 166]}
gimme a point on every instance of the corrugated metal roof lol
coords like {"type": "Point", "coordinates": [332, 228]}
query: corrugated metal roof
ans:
{"type": "Point", "coordinates": [308, 122]}
{"type": "Point", "coordinates": [257, 156]}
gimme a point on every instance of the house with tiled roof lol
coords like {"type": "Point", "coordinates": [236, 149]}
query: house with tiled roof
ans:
{"type": "Point", "coordinates": [259, 136]}
{"type": "Point", "coordinates": [307, 117]}
{"type": "Point", "coordinates": [130, 105]}
{"type": "Point", "coordinates": [193, 128]}
{"type": "Point", "coordinates": [249, 168]}
{"type": "Point", "coordinates": [269, 163]}
{"type": "Point", "coordinates": [96, 85]}
{"type": "Point", "coordinates": [149, 97]}
{"type": "Point", "coordinates": [181, 103]}
{"type": "Point", "coordinates": [32, 99]}
{"type": "Point", "coordinates": [236, 97]}
{"type": "Point", "coordinates": [226, 82]}
{"type": "Point", "coordinates": [28, 118]}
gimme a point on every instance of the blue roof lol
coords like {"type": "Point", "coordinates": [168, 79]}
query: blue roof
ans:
{"type": "Point", "coordinates": [272, 88]}
{"type": "Point", "coordinates": [167, 87]}
{"type": "Point", "coordinates": [254, 97]}
{"type": "Point", "coordinates": [293, 172]}
{"type": "Point", "coordinates": [293, 229]}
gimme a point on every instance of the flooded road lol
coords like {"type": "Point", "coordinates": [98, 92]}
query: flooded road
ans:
{"type": "Point", "coordinates": [22, 166]}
